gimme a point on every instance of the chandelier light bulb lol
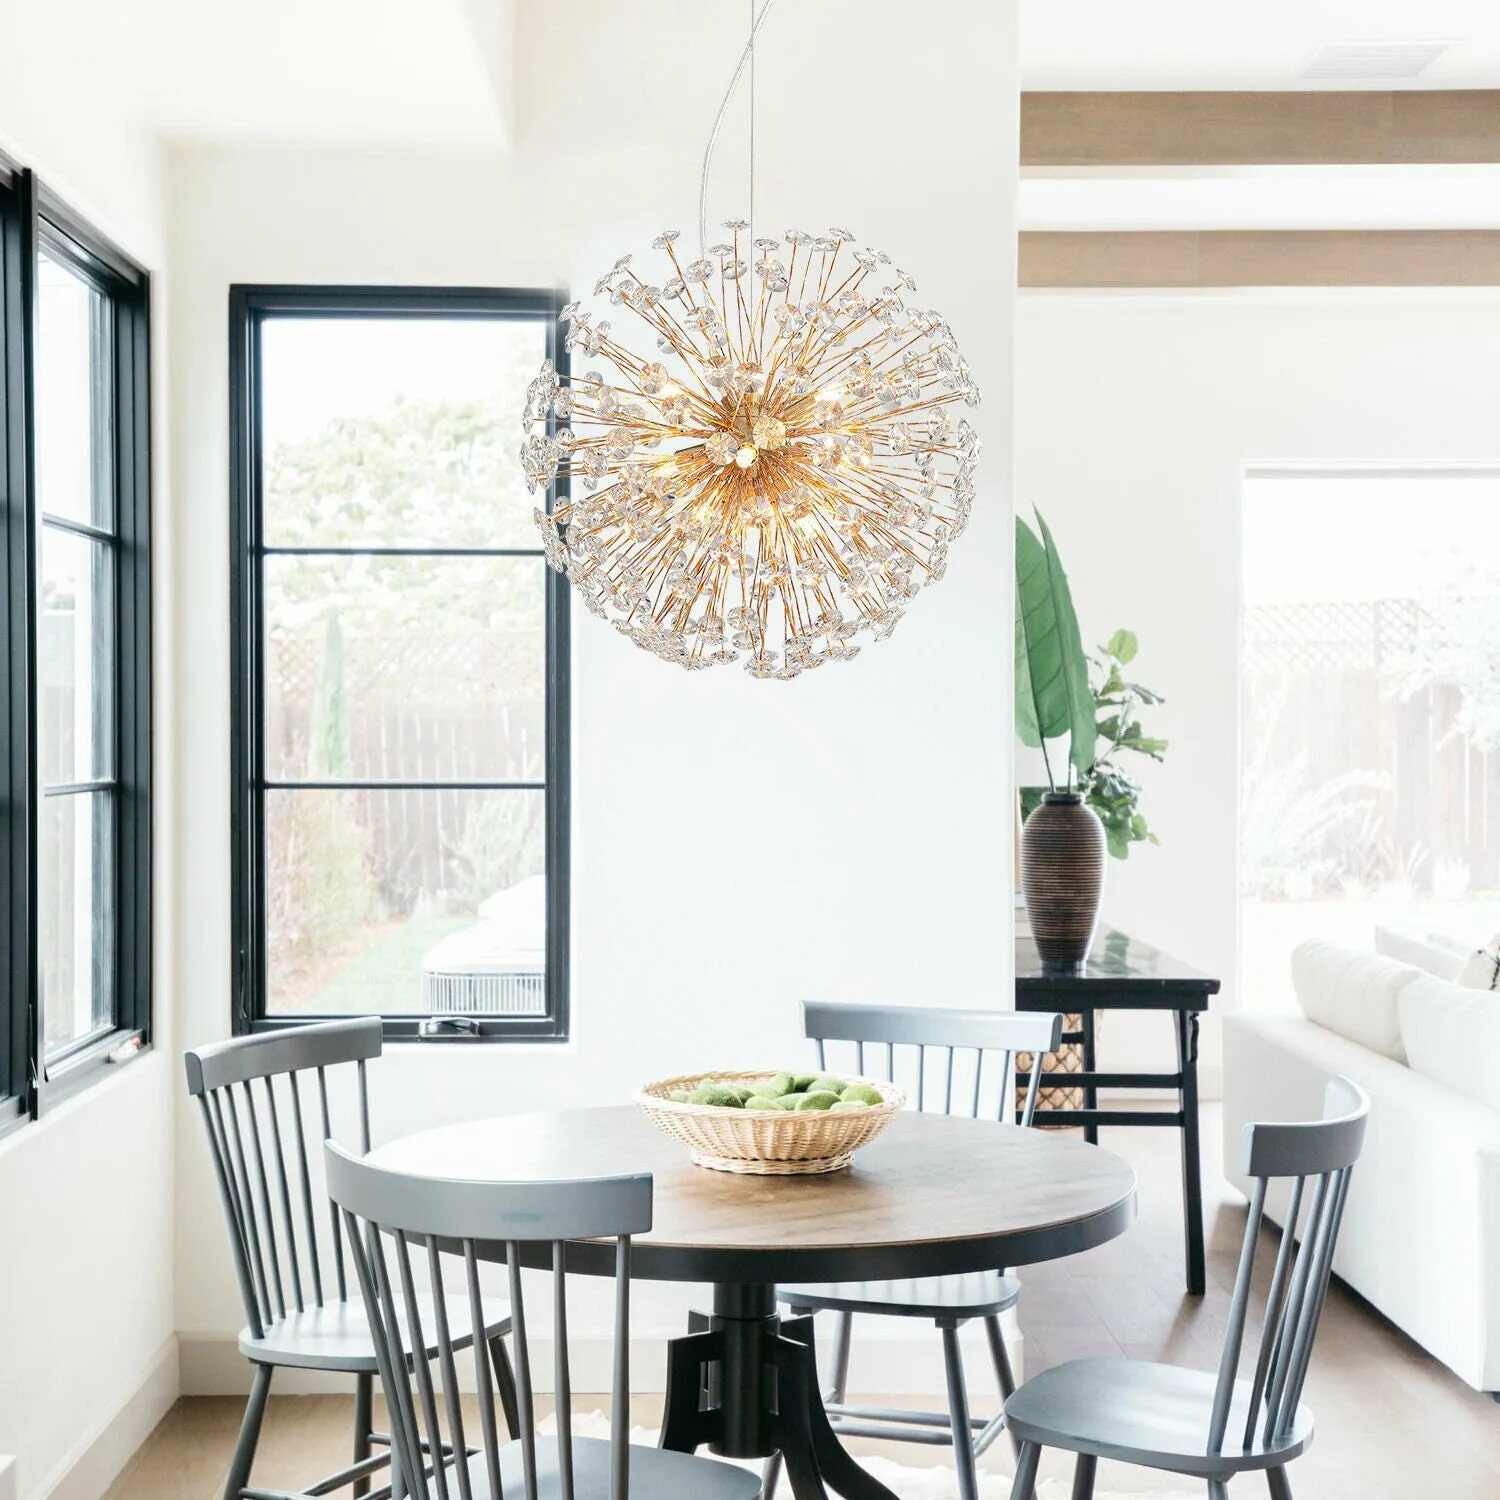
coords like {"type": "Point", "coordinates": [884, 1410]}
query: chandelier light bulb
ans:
{"type": "Point", "coordinates": [781, 471]}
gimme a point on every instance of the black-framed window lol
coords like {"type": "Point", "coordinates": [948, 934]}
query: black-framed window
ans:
{"type": "Point", "coordinates": [399, 744]}
{"type": "Point", "coordinates": [75, 651]}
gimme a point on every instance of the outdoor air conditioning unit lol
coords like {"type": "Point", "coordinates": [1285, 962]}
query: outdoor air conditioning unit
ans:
{"type": "Point", "coordinates": [498, 967]}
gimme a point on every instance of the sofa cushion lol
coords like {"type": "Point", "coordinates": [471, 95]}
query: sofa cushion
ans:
{"type": "Point", "coordinates": [1439, 960]}
{"type": "Point", "coordinates": [1452, 1036]}
{"type": "Point", "coordinates": [1461, 946]}
{"type": "Point", "coordinates": [1353, 993]}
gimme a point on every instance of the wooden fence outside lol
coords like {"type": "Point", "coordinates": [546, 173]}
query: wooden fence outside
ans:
{"type": "Point", "coordinates": [417, 708]}
{"type": "Point", "coordinates": [1322, 680]}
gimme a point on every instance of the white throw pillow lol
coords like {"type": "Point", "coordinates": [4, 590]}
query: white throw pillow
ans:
{"type": "Point", "coordinates": [1353, 994]}
{"type": "Point", "coordinates": [1461, 946]}
{"type": "Point", "coordinates": [1441, 961]}
{"type": "Point", "coordinates": [1481, 970]}
{"type": "Point", "coordinates": [1452, 1036]}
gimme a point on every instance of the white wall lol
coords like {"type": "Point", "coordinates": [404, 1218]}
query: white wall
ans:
{"type": "Point", "coordinates": [737, 845]}
{"type": "Point", "coordinates": [87, 1354]}
{"type": "Point", "coordinates": [1136, 417]}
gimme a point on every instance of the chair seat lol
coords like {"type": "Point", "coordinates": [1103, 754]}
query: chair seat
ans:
{"type": "Point", "coordinates": [336, 1335]}
{"type": "Point", "coordinates": [1140, 1413]}
{"type": "Point", "coordinates": [977, 1294]}
{"type": "Point", "coordinates": [655, 1474]}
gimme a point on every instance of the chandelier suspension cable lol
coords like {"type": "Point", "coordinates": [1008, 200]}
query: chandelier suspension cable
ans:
{"type": "Point", "coordinates": [747, 59]}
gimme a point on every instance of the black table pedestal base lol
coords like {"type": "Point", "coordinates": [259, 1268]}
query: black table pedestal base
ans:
{"type": "Point", "coordinates": [744, 1383]}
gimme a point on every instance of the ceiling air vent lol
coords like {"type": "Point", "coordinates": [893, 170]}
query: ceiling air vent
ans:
{"type": "Point", "coordinates": [1356, 61]}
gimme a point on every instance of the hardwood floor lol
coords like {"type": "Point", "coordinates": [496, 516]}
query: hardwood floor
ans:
{"type": "Point", "coordinates": [1392, 1423]}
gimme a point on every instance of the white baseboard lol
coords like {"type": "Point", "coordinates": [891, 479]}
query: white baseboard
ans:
{"type": "Point", "coordinates": [7, 1478]}
{"type": "Point", "coordinates": [93, 1465]}
{"type": "Point", "coordinates": [906, 1361]}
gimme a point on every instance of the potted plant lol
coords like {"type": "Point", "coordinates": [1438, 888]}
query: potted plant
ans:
{"type": "Point", "coordinates": [1072, 825]}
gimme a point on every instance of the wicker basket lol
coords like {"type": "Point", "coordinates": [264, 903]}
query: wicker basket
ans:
{"type": "Point", "coordinates": [767, 1142]}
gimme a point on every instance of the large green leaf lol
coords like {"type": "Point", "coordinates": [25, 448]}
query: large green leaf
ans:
{"type": "Point", "coordinates": [1057, 669]}
{"type": "Point", "coordinates": [1026, 725]}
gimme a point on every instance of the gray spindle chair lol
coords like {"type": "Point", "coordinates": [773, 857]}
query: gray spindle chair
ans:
{"type": "Point", "coordinates": [254, 1092]}
{"type": "Point", "coordinates": [399, 1222]}
{"type": "Point", "coordinates": [993, 1037]}
{"type": "Point", "coordinates": [1191, 1421]}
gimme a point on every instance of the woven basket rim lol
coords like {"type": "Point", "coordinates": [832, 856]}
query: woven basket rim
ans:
{"type": "Point", "coordinates": [893, 1098]}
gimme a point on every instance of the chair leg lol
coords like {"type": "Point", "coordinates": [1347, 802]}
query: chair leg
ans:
{"type": "Point", "coordinates": [958, 1415]}
{"type": "Point", "coordinates": [1280, 1485]}
{"type": "Point", "coordinates": [842, 1341]}
{"type": "Point", "coordinates": [1027, 1461]}
{"type": "Point", "coordinates": [1217, 1490]}
{"type": "Point", "coordinates": [1000, 1356]}
{"type": "Point", "coordinates": [505, 1385]}
{"type": "Point", "coordinates": [364, 1402]}
{"type": "Point", "coordinates": [770, 1476]}
{"type": "Point", "coordinates": [1083, 1476]}
{"type": "Point", "coordinates": [244, 1448]}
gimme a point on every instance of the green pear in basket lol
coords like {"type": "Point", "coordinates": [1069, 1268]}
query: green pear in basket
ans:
{"type": "Point", "coordinates": [848, 1104]}
{"type": "Point", "coordinates": [861, 1093]}
{"type": "Point", "coordinates": [819, 1099]}
{"type": "Point", "coordinates": [718, 1095]}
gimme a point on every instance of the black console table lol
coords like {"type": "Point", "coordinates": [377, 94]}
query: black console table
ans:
{"type": "Point", "coordinates": [1123, 973]}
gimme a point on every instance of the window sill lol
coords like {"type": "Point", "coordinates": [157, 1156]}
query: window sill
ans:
{"type": "Point", "coordinates": [87, 1079]}
{"type": "Point", "coordinates": [401, 1031]}
{"type": "Point", "coordinates": [101, 1059]}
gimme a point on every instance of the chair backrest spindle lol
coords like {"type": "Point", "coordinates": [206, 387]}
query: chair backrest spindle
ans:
{"type": "Point", "coordinates": [284, 1193]}
{"type": "Point", "coordinates": [522, 1363]}
{"type": "Point", "coordinates": [309, 1219]}
{"type": "Point", "coordinates": [619, 1487]}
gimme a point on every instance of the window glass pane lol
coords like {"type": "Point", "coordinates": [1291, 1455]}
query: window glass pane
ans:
{"type": "Point", "coordinates": [74, 426]}
{"type": "Point", "coordinates": [405, 668]}
{"type": "Point", "coordinates": [74, 658]}
{"type": "Point", "coordinates": [1370, 792]}
{"type": "Point", "coordinates": [404, 902]}
{"type": "Point", "coordinates": [76, 865]}
{"type": "Point", "coordinates": [397, 431]}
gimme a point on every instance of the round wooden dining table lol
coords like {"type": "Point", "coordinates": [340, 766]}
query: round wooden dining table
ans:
{"type": "Point", "coordinates": [936, 1194]}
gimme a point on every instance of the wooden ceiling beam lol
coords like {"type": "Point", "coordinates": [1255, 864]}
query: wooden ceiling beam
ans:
{"type": "Point", "coordinates": [1146, 259]}
{"type": "Point", "coordinates": [1348, 127]}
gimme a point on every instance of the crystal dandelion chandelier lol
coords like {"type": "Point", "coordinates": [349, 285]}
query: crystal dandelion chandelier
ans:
{"type": "Point", "coordinates": [783, 469]}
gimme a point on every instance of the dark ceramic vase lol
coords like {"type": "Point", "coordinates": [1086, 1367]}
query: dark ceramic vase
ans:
{"type": "Point", "coordinates": [1062, 874]}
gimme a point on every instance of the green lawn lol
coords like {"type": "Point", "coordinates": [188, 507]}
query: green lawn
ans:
{"type": "Point", "coordinates": [387, 976]}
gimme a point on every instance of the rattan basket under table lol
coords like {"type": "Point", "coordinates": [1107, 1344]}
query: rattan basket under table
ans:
{"type": "Point", "coordinates": [767, 1142]}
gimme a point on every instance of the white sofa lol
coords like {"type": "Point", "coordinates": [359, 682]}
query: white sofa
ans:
{"type": "Point", "coordinates": [1421, 1237]}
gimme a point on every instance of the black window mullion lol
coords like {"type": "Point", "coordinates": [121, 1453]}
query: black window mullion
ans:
{"type": "Point", "coordinates": [131, 767]}
{"type": "Point", "coordinates": [275, 551]}
{"type": "Point", "coordinates": [558, 762]}
{"type": "Point", "coordinates": [25, 657]}
{"type": "Point", "coordinates": [246, 751]}
{"type": "Point", "coordinates": [17, 818]}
